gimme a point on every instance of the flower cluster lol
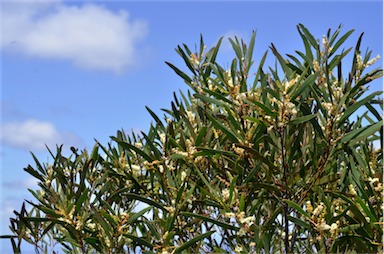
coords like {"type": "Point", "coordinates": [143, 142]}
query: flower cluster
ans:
{"type": "Point", "coordinates": [360, 65]}
{"type": "Point", "coordinates": [318, 219]}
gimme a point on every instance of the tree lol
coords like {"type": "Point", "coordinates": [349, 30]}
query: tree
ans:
{"type": "Point", "coordinates": [248, 161]}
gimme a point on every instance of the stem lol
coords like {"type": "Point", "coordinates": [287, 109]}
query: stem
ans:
{"type": "Point", "coordinates": [286, 229]}
{"type": "Point", "coordinates": [286, 194]}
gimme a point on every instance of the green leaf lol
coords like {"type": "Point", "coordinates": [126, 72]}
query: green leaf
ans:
{"type": "Point", "coordinates": [177, 156]}
{"type": "Point", "coordinates": [137, 215]}
{"type": "Point", "coordinates": [34, 173]}
{"type": "Point", "coordinates": [302, 119]}
{"type": "Point", "coordinates": [300, 222]}
{"type": "Point", "coordinates": [80, 201]}
{"type": "Point", "coordinates": [207, 219]}
{"type": "Point", "coordinates": [191, 242]}
{"type": "Point", "coordinates": [128, 146]}
{"type": "Point", "coordinates": [145, 200]}
{"type": "Point", "coordinates": [180, 73]}
{"type": "Point", "coordinates": [209, 99]}
{"type": "Point", "coordinates": [211, 152]}
{"type": "Point", "coordinates": [306, 84]}
{"type": "Point", "coordinates": [186, 57]}
{"type": "Point", "coordinates": [350, 228]}
{"type": "Point", "coordinates": [340, 42]}
{"type": "Point", "coordinates": [259, 70]}
{"type": "Point", "coordinates": [228, 133]}
{"type": "Point", "coordinates": [211, 57]}
{"type": "Point", "coordinates": [361, 134]}
{"type": "Point", "coordinates": [236, 47]}
{"type": "Point", "coordinates": [357, 105]}
{"type": "Point", "coordinates": [297, 207]}
{"type": "Point", "coordinates": [309, 36]}
{"type": "Point", "coordinates": [328, 179]}
{"type": "Point", "coordinates": [157, 119]}
{"type": "Point", "coordinates": [286, 69]}
{"type": "Point", "coordinates": [139, 240]}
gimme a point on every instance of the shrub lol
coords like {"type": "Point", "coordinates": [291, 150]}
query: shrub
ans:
{"type": "Point", "coordinates": [247, 161]}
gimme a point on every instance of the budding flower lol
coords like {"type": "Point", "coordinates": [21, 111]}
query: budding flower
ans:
{"type": "Point", "coordinates": [225, 193]}
{"type": "Point", "coordinates": [183, 176]}
{"type": "Point", "coordinates": [323, 227]}
{"type": "Point", "coordinates": [318, 209]}
{"type": "Point", "coordinates": [241, 232]}
{"type": "Point", "coordinates": [334, 229]}
{"type": "Point", "coordinates": [191, 116]}
{"type": "Point", "coordinates": [139, 145]}
{"type": "Point", "coordinates": [372, 61]}
{"type": "Point", "coordinates": [248, 220]}
{"type": "Point", "coordinates": [316, 66]}
{"type": "Point", "coordinates": [373, 180]}
{"type": "Point", "coordinates": [309, 206]}
{"type": "Point", "coordinates": [325, 42]}
{"type": "Point", "coordinates": [238, 249]}
{"type": "Point", "coordinates": [359, 62]}
{"type": "Point", "coordinates": [352, 190]}
{"type": "Point", "coordinates": [194, 60]}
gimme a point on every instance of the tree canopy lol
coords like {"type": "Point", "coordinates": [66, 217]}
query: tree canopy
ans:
{"type": "Point", "coordinates": [250, 160]}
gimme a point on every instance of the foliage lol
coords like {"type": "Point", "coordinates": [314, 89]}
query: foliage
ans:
{"type": "Point", "coordinates": [246, 162]}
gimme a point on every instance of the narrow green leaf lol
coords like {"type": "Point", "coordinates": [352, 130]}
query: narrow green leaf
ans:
{"type": "Point", "coordinates": [137, 215]}
{"type": "Point", "coordinates": [220, 126]}
{"type": "Point", "coordinates": [259, 71]}
{"type": "Point", "coordinates": [309, 36]}
{"type": "Point", "coordinates": [194, 240]}
{"type": "Point", "coordinates": [286, 69]}
{"type": "Point", "coordinates": [180, 73]}
{"type": "Point", "coordinates": [302, 119]}
{"type": "Point", "coordinates": [350, 228]}
{"type": "Point", "coordinates": [133, 196]}
{"type": "Point", "coordinates": [297, 207]}
{"type": "Point", "coordinates": [186, 57]}
{"type": "Point", "coordinates": [157, 119]}
{"type": "Point", "coordinates": [360, 134]}
{"type": "Point", "coordinates": [340, 42]}
{"type": "Point", "coordinates": [139, 240]}
{"type": "Point", "coordinates": [80, 201]}
{"type": "Point", "coordinates": [357, 105]}
{"type": "Point", "coordinates": [236, 47]}
{"type": "Point", "coordinates": [128, 146]}
{"type": "Point", "coordinates": [310, 80]}
{"type": "Point", "coordinates": [34, 173]}
{"type": "Point", "coordinates": [207, 219]}
{"type": "Point", "coordinates": [328, 179]}
{"type": "Point", "coordinates": [300, 223]}
{"type": "Point", "coordinates": [211, 152]}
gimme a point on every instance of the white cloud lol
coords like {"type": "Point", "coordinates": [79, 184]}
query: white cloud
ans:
{"type": "Point", "coordinates": [33, 135]}
{"type": "Point", "coordinates": [89, 35]}
{"type": "Point", "coordinates": [29, 183]}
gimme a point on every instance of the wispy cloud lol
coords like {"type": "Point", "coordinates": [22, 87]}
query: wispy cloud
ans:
{"type": "Point", "coordinates": [33, 135]}
{"type": "Point", "coordinates": [89, 35]}
{"type": "Point", "coordinates": [29, 183]}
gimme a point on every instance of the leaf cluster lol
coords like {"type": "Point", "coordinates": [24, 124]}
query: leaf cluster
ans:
{"type": "Point", "coordinates": [248, 161]}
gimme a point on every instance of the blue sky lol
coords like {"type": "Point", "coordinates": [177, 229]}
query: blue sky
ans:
{"type": "Point", "coordinates": [77, 71]}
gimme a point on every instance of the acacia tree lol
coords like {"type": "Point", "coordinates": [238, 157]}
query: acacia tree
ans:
{"type": "Point", "coordinates": [249, 161]}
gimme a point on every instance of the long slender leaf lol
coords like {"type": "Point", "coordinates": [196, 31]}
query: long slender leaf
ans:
{"type": "Point", "coordinates": [191, 242]}
{"type": "Point", "coordinates": [210, 220]}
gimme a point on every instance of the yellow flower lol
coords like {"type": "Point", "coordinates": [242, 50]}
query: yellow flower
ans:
{"type": "Point", "coordinates": [225, 193]}
{"type": "Point", "coordinates": [323, 227]}
{"type": "Point", "coordinates": [334, 229]}
{"type": "Point", "coordinates": [238, 249]}
{"type": "Point", "coordinates": [183, 176]}
{"type": "Point", "coordinates": [352, 190]}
